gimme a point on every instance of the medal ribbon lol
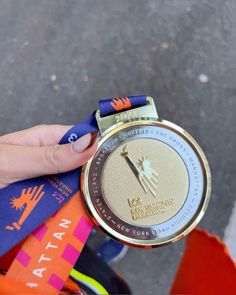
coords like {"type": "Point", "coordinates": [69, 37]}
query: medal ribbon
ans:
{"type": "Point", "coordinates": [55, 237]}
{"type": "Point", "coordinates": [40, 197]}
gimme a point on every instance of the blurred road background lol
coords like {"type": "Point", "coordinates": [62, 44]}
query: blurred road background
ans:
{"type": "Point", "coordinates": [58, 57]}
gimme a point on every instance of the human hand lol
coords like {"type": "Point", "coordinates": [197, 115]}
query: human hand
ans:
{"type": "Point", "coordinates": [34, 152]}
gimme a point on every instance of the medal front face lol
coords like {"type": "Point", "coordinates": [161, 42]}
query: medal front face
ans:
{"type": "Point", "coordinates": [148, 183]}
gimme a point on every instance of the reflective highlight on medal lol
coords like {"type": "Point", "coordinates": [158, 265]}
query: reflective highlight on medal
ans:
{"type": "Point", "coordinates": [147, 176]}
{"type": "Point", "coordinates": [147, 184]}
{"type": "Point", "coordinates": [147, 170]}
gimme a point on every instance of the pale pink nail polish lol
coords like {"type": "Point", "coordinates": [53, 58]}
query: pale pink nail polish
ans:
{"type": "Point", "coordinates": [82, 143]}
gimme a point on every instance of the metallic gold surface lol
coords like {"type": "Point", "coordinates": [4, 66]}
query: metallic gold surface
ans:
{"type": "Point", "coordinates": [149, 182]}
{"type": "Point", "coordinates": [143, 170]}
{"type": "Point", "coordinates": [146, 111]}
{"type": "Point", "coordinates": [157, 199]}
{"type": "Point", "coordinates": [143, 236]}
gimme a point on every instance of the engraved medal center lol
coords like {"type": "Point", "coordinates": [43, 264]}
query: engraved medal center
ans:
{"type": "Point", "coordinates": [145, 182]}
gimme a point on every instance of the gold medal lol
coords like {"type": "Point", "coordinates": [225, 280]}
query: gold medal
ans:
{"type": "Point", "coordinates": [149, 182]}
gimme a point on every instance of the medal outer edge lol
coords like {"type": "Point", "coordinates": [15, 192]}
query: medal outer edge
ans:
{"type": "Point", "coordinates": [101, 224]}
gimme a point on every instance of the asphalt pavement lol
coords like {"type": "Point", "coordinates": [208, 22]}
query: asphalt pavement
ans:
{"type": "Point", "coordinates": [57, 58]}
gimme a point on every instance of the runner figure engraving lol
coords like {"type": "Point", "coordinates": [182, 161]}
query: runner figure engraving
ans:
{"type": "Point", "coordinates": [146, 175]}
{"type": "Point", "coordinates": [28, 200]}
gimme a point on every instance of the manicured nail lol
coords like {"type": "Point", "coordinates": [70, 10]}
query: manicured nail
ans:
{"type": "Point", "coordinates": [82, 143]}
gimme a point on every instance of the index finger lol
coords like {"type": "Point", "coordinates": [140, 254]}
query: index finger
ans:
{"type": "Point", "coordinates": [40, 135]}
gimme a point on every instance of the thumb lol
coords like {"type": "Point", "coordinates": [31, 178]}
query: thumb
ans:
{"type": "Point", "coordinates": [22, 162]}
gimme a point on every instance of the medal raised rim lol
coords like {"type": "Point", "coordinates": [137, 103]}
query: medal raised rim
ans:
{"type": "Point", "coordinates": [104, 226]}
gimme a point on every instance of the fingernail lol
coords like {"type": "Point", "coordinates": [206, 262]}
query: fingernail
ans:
{"type": "Point", "coordinates": [82, 143]}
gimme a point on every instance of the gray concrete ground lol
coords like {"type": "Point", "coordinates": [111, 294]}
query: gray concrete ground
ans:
{"type": "Point", "coordinates": [106, 48]}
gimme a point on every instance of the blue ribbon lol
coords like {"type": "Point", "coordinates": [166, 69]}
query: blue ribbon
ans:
{"type": "Point", "coordinates": [109, 106]}
{"type": "Point", "coordinates": [53, 186]}
{"type": "Point", "coordinates": [52, 199]}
